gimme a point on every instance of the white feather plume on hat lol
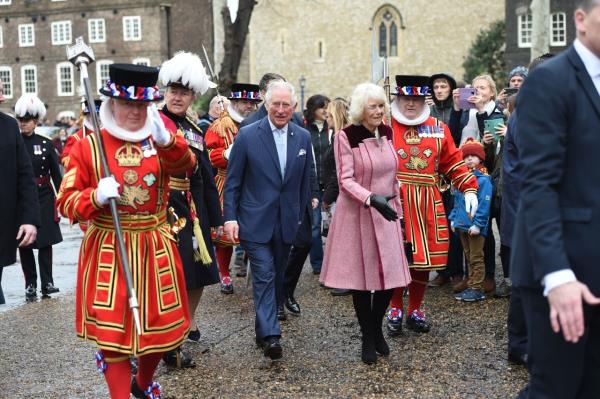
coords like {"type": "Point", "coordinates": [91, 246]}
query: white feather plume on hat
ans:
{"type": "Point", "coordinates": [186, 69]}
{"type": "Point", "coordinates": [30, 104]}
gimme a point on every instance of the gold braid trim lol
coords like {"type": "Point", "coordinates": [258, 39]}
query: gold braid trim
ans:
{"type": "Point", "coordinates": [201, 254]}
{"type": "Point", "coordinates": [223, 125]}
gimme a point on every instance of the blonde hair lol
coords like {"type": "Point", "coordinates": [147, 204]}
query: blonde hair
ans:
{"type": "Point", "coordinates": [338, 109]}
{"type": "Point", "coordinates": [490, 82]}
{"type": "Point", "coordinates": [361, 94]}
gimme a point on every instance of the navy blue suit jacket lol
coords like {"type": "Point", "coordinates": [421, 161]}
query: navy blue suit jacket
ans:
{"type": "Point", "coordinates": [558, 219]}
{"type": "Point", "coordinates": [256, 195]}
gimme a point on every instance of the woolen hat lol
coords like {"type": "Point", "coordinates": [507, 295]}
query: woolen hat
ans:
{"type": "Point", "coordinates": [473, 147]}
{"type": "Point", "coordinates": [412, 85]}
{"type": "Point", "coordinates": [132, 83]}
{"type": "Point", "coordinates": [520, 71]}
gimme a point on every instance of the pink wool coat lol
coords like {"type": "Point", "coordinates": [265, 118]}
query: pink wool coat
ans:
{"type": "Point", "coordinates": [364, 251]}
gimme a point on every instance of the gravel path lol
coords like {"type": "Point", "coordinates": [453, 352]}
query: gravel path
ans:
{"type": "Point", "coordinates": [464, 355]}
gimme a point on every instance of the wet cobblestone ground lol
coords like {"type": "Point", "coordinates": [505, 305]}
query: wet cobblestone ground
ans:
{"type": "Point", "coordinates": [464, 355]}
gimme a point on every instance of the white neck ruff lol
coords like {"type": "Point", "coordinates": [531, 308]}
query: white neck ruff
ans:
{"type": "Point", "coordinates": [108, 123]}
{"type": "Point", "coordinates": [400, 118]}
{"type": "Point", "coordinates": [234, 114]}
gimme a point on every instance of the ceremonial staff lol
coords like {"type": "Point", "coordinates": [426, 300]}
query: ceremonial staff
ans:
{"type": "Point", "coordinates": [214, 77]}
{"type": "Point", "coordinates": [81, 55]}
{"type": "Point", "coordinates": [386, 87]}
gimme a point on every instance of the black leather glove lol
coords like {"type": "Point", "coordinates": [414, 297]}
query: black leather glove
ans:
{"type": "Point", "coordinates": [379, 202]}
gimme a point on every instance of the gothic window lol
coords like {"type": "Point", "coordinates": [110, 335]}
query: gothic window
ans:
{"type": "Point", "coordinates": [386, 22]}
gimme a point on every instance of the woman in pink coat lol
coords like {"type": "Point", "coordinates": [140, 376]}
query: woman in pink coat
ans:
{"type": "Point", "coordinates": [364, 250]}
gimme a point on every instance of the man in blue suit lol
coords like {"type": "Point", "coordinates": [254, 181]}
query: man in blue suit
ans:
{"type": "Point", "coordinates": [556, 254]}
{"type": "Point", "coordinates": [266, 191]}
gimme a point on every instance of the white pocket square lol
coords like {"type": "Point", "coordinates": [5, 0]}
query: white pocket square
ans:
{"type": "Point", "coordinates": [301, 152]}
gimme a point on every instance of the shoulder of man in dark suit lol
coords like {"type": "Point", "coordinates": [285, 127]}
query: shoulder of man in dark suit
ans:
{"type": "Point", "coordinates": [260, 113]}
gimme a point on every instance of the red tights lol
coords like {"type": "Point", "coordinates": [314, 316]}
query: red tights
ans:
{"type": "Point", "coordinates": [118, 370]}
{"type": "Point", "coordinates": [416, 292]}
{"type": "Point", "coordinates": [223, 259]}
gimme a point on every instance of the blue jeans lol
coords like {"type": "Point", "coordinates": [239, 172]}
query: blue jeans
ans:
{"type": "Point", "coordinates": [316, 248]}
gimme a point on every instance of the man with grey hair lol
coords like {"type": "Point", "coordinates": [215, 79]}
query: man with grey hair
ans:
{"type": "Point", "coordinates": [266, 192]}
{"type": "Point", "coordinates": [555, 252]}
{"type": "Point", "coordinates": [215, 107]}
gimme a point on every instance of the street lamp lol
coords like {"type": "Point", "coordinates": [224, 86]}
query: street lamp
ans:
{"type": "Point", "coordinates": [302, 81]}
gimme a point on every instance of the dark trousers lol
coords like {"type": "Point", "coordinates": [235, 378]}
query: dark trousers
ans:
{"type": "Point", "coordinates": [298, 256]}
{"type": "Point", "coordinates": [558, 369]}
{"type": "Point", "coordinates": [455, 262]}
{"type": "Point", "coordinates": [29, 269]}
{"type": "Point", "coordinates": [2, 301]}
{"type": "Point", "coordinates": [267, 263]}
{"type": "Point", "coordinates": [516, 325]}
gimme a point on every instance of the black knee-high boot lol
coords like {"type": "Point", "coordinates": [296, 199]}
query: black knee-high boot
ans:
{"type": "Point", "coordinates": [362, 306]}
{"type": "Point", "coordinates": [381, 300]}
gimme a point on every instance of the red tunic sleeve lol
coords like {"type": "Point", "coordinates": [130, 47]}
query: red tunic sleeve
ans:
{"type": "Point", "coordinates": [216, 145]}
{"type": "Point", "coordinates": [452, 165]}
{"type": "Point", "coordinates": [176, 157]}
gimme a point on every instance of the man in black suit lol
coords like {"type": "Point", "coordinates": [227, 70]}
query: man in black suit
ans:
{"type": "Point", "coordinates": [555, 260]}
{"type": "Point", "coordinates": [19, 197]}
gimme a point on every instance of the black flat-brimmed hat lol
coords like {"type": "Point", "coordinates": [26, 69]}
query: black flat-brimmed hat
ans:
{"type": "Point", "coordinates": [85, 109]}
{"type": "Point", "coordinates": [412, 85]}
{"type": "Point", "coordinates": [245, 91]}
{"type": "Point", "coordinates": [132, 83]}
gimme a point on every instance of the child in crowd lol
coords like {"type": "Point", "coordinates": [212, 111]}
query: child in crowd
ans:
{"type": "Point", "coordinates": [473, 229]}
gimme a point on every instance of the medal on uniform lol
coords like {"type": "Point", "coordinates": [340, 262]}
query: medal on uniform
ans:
{"type": "Point", "coordinates": [148, 149]}
{"type": "Point", "coordinates": [37, 149]}
{"type": "Point", "coordinates": [130, 176]}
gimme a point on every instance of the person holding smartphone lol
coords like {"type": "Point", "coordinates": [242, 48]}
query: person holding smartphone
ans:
{"type": "Point", "coordinates": [516, 77]}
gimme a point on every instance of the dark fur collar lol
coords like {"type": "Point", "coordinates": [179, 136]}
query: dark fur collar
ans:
{"type": "Point", "coordinates": [357, 133]}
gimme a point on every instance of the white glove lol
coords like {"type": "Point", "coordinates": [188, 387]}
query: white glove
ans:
{"type": "Point", "coordinates": [160, 134]}
{"type": "Point", "coordinates": [474, 230]}
{"type": "Point", "coordinates": [471, 203]}
{"type": "Point", "coordinates": [107, 188]}
{"type": "Point", "coordinates": [227, 152]}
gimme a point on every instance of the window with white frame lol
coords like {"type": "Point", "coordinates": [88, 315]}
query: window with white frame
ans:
{"type": "Point", "coordinates": [97, 30]}
{"type": "Point", "coordinates": [142, 61]}
{"type": "Point", "coordinates": [26, 35]}
{"type": "Point", "coordinates": [525, 29]}
{"type": "Point", "coordinates": [64, 79]}
{"type": "Point", "coordinates": [558, 29]}
{"type": "Point", "coordinates": [6, 77]}
{"type": "Point", "coordinates": [5, 2]}
{"type": "Point", "coordinates": [61, 32]}
{"type": "Point", "coordinates": [29, 79]}
{"type": "Point", "coordinates": [102, 75]}
{"type": "Point", "coordinates": [1, 36]}
{"type": "Point", "coordinates": [132, 28]}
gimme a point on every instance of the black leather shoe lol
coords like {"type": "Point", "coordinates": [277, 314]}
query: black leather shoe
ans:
{"type": "Point", "coordinates": [518, 358]}
{"type": "Point", "coordinates": [292, 305]}
{"type": "Point", "coordinates": [281, 313]}
{"type": "Point", "coordinates": [178, 358]}
{"type": "Point", "coordinates": [416, 322]}
{"type": "Point", "coordinates": [30, 291]}
{"type": "Point", "coordinates": [272, 348]}
{"type": "Point", "coordinates": [49, 289]}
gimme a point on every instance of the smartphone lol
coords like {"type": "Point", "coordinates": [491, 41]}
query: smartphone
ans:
{"type": "Point", "coordinates": [509, 91]}
{"type": "Point", "coordinates": [490, 127]}
{"type": "Point", "coordinates": [465, 93]}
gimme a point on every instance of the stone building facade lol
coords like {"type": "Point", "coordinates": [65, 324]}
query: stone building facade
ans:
{"type": "Point", "coordinates": [34, 34]}
{"type": "Point", "coordinates": [331, 43]}
{"type": "Point", "coordinates": [519, 24]}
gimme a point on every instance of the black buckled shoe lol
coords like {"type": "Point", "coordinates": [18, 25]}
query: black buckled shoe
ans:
{"type": "Point", "coordinates": [30, 292]}
{"type": "Point", "coordinates": [49, 289]}
{"type": "Point", "coordinates": [178, 358]}
{"type": "Point", "coordinates": [281, 316]}
{"type": "Point", "coordinates": [292, 305]}
{"type": "Point", "coordinates": [416, 322]}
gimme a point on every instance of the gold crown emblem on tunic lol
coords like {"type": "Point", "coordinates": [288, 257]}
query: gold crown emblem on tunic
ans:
{"type": "Point", "coordinates": [411, 136]}
{"type": "Point", "coordinates": [129, 155]}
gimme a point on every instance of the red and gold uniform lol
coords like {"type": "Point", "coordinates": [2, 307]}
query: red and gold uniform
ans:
{"type": "Point", "coordinates": [102, 311]}
{"type": "Point", "coordinates": [425, 152]}
{"type": "Point", "coordinates": [71, 140]}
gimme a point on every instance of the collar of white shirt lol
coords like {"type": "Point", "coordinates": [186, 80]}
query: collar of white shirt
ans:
{"type": "Point", "coordinates": [590, 60]}
{"type": "Point", "coordinates": [275, 128]}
